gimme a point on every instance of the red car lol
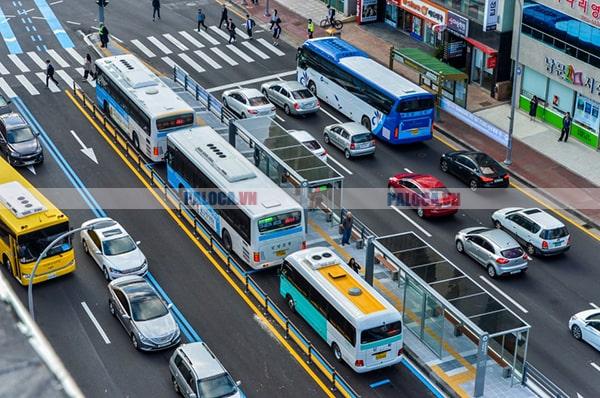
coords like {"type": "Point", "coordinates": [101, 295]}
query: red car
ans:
{"type": "Point", "coordinates": [423, 192]}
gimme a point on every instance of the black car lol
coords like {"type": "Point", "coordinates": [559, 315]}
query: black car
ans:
{"type": "Point", "coordinates": [477, 169]}
{"type": "Point", "coordinates": [19, 144]}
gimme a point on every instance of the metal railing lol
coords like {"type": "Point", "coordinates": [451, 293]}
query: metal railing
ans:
{"type": "Point", "coordinates": [533, 376]}
{"type": "Point", "coordinates": [213, 244]}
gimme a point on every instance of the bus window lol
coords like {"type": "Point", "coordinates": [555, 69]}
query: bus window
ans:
{"type": "Point", "coordinates": [415, 105]}
{"type": "Point", "coordinates": [381, 332]}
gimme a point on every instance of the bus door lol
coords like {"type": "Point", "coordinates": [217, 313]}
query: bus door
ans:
{"type": "Point", "coordinates": [14, 261]}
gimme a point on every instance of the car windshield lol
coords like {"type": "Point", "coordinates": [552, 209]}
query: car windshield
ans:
{"type": "Point", "coordinates": [487, 165]}
{"type": "Point", "coordinates": [514, 252]}
{"type": "Point", "coordinates": [381, 332]}
{"type": "Point", "coordinates": [21, 134]}
{"type": "Point", "coordinates": [147, 308]}
{"type": "Point", "coordinates": [258, 101]}
{"type": "Point", "coordinates": [217, 386]}
{"type": "Point", "coordinates": [360, 138]}
{"type": "Point", "coordinates": [555, 233]}
{"type": "Point", "coordinates": [117, 246]}
{"type": "Point", "coordinates": [313, 145]}
{"type": "Point", "coordinates": [436, 193]}
{"type": "Point", "coordinates": [302, 94]}
{"type": "Point", "coordinates": [31, 245]}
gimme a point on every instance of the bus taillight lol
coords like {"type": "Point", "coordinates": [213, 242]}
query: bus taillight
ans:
{"type": "Point", "coordinates": [400, 352]}
{"type": "Point", "coordinates": [303, 244]}
{"type": "Point", "coordinates": [396, 132]}
{"type": "Point", "coordinates": [256, 257]}
{"type": "Point", "coordinates": [359, 363]}
{"type": "Point", "coordinates": [155, 151]}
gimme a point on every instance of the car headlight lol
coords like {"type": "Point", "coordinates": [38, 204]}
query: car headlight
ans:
{"type": "Point", "coordinates": [143, 338]}
{"type": "Point", "coordinates": [15, 154]}
{"type": "Point", "coordinates": [145, 263]}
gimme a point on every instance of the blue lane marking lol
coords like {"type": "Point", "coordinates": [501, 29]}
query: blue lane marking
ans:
{"type": "Point", "coordinates": [423, 380]}
{"type": "Point", "coordinates": [380, 383]}
{"type": "Point", "coordinates": [9, 37]}
{"type": "Point", "coordinates": [54, 24]}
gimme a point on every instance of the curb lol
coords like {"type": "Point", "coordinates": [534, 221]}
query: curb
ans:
{"type": "Point", "coordinates": [441, 384]}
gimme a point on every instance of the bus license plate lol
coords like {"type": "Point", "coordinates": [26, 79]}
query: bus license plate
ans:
{"type": "Point", "coordinates": [280, 253]}
{"type": "Point", "coordinates": [381, 355]}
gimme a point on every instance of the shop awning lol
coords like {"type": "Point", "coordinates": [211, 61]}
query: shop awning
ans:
{"type": "Point", "coordinates": [424, 63]}
{"type": "Point", "coordinates": [485, 48]}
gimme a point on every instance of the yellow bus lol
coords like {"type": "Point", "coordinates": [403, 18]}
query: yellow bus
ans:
{"type": "Point", "coordinates": [28, 223]}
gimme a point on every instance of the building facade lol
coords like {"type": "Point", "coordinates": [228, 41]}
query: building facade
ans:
{"type": "Point", "coordinates": [560, 63]}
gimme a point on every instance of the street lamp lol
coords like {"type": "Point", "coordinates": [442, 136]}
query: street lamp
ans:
{"type": "Point", "coordinates": [516, 72]}
{"type": "Point", "coordinates": [101, 5]}
{"type": "Point", "coordinates": [267, 13]}
{"type": "Point", "coordinates": [42, 255]}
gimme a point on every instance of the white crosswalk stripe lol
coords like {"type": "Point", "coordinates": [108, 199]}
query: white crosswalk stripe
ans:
{"type": "Point", "coordinates": [240, 53]}
{"type": "Point", "coordinates": [28, 86]}
{"type": "Point", "coordinates": [90, 81]}
{"type": "Point", "coordinates": [65, 77]}
{"type": "Point", "coordinates": [255, 50]}
{"type": "Point", "coordinates": [143, 48]}
{"type": "Point", "coordinates": [51, 85]}
{"type": "Point", "coordinates": [36, 58]}
{"type": "Point", "coordinates": [22, 67]}
{"type": "Point", "coordinates": [208, 37]}
{"type": "Point", "coordinates": [75, 55]}
{"type": "Point", "coordinates": [159, 45]}
{"type": "Point", "coordinates": [224, 56]}
{"type": "Point", "coordinates": [3, 69]}
{"type": "Point", "coordinates": [208, 59]}
{"type": "Point", "coordinates": [176, 42]}
{"type": "Point", "coordinates": [241, 31]}
{"type": "Point", "coordinates": [271, 47]}
{"type": "Point", "coordinates": [6, 88]}
{"type": "Point", "coordinates": [168, 61]}
{"type": "Point", "coordinates": [192, 63]}
{"type": "Point", "coordinates": [60, 60]}
{"type": "Point", "coordinates": [220, 32]}
{"type": "Point", "coordinates": [189, 38]}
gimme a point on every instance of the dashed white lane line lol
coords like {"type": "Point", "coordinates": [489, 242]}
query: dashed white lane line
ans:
{"type": "Point", "coordinates": [191, 39]}
{"type": "Point", "coordinates": [594, 305]}
{"type": "Point", "coordinates": [347, 170]}
{"type": "Point", "coordinates": [240, 53]}
{"type": "Point", "coordinates": [143, 48]}
{"type": "Point", "coordinates": [407, 170]}
{"type": "Point", "coordinates": [595, 366]}
{"type": "Point", "coordinates": [280, 118]}
{"type": "Point", "coordinates": [255, 50]}
{"type": "Point", "coordinates": [407, 218]}
{"type": "Point", "coordinates": [506, 296]}
{"type": "Point", "coordinates": [330, 115]}
{"type": "Point", "coordinates": [95, 322]}
{"type": "Point", "coordinates": [159, 45]}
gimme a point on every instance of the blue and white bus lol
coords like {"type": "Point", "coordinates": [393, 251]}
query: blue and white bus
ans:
{"type": "Point", "coordinates": [144, 107]}
{"type": "Point", "coordinates": [255, 218]}
{"type": "Point", "coordinates": [362, 328]}
{"type": "Point", "coordinates": [392, 107]}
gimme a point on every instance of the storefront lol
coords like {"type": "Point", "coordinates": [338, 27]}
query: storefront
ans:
{"type": "Point", "coordinates": [421, 20]}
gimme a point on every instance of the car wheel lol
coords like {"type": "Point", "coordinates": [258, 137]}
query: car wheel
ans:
{"type": "Point", "coordinates": [420, 212]}
{"type": "Point", "coordinates": [444, 166]}
{"type": "Point", "coordinates": [313, 88]}
{"type": "Point", "coordinates": [347, 154]}
{"type": "Point", "coordinates": [576, 332]}
{"type": "Point", "coordinates": [227, 240]}
{"type": "Point", "coordinates": [105, 108]}
{"type": "Point", "coordinates": [491, 271]}
{"type": "Point", "coordinates": [7, 265]}
{"type": "Point", "coordinates": [290, 303]}
{"type": "Point", "coordinates": [337, 353]}
{"type": "Point", "coordinates": [111, 308]}
{"type": "Point", "coordinates": [530, 249]}
{"type": "Point", "coordinates": [175, 385]}
{"type": "Point", "coordinates": [286, 109]}
{"type": "Point", "coordinates": [134, 342]}
{"type": "Point", "coordinates": [497, 224]}
{"type": "Point", "coordinates": [85, 247]}
{"type": "Point", "coordinates": [473, 185]}
{"type": "Point", "coordinates": [106, 274]}
{"type": "Point", "coordinates": [264, 91]}
{"type": "Point", "coordinates": [243, 115]}
{"type": "Point", "coordinates": [460, 247]}
{"type": "Point", "coordinates": [225, 102]}
{"type": "Point", "coordinates": [365, 121]}
{"type": "Point", "coordinates": [326, 139]}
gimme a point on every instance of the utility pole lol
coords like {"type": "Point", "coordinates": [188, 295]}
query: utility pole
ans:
{"type": "Point", "coordinates": [267, 13]}
{"type": "Point", "coordinates": [517, 71]}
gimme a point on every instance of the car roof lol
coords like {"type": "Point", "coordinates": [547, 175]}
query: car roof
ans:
{"type": "Point", "coordinates": [109, 229]}
{"type": "Point", "coordinates": [291, 85]}
{"type": "Point", "coordinates": [542, 218]}
{"type": "Point", "coordinates": [136, 289]}
{"type": "Point", "coordinates": [13, 119]}
{"type": "Point", "coordinates": [499, 238]}
{"type": "Point", "coordinates": [249, 92]}
{"type": "Point", "coordinates": [301, 135]}
{"type": "Point", "coordinates": [354, 128]}
{"type": "Point", "coordinates": [203, 361]}
{"type": "Point", "coordinates": [426, 180]}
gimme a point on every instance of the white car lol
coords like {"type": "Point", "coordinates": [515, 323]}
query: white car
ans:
{"type": "Point", "coordinates": [310, 143]}
{"type": "Point", "coordinates": [537, 230]}
{"type": "Point", "coordinates": [585, 325]}
{"type": "Point", "coordinates": [111, 247]}
{"type": "Point", "coordinates": [248, 102]}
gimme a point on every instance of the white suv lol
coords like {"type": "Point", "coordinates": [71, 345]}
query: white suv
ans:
{"type": "Point", "coordinates": [537, 230]}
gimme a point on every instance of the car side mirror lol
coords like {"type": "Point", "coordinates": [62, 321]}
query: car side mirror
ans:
{"type": "Point", "coordinates": [238, 383]}
{"type": "Point", "coordinates": [169, 306]}
{"type": "Point", "coordinates": [97, 252]}
{"type": "Point", "coordinates": [192, 395]}
{"type": "Point", "coordinates": [126, 317]}
{"type": "Point", "coordinates": [36, 133]}
{"type": "Point", "coordinates": [138, 242]}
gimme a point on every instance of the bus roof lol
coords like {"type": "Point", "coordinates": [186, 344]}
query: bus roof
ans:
{"type": "Point", "coordinates": [22, 207]}
{"type": "Point", "coordinates": [341, 285]}
{"type": "Point", "coordinates": [230, 170]}
{"type": "Point", "coordinates": [357, 62]}
{"type": "Point", "coordinates": [133, 77]}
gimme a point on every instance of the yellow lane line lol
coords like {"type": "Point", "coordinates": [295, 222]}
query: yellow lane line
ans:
{"type": "Point", "coordinates": [223, 273]}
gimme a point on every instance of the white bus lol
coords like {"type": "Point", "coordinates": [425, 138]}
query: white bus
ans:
{"type": "Point", "coordinates": [362, 328]}
{"type": "Point", "coordinates": [255, 218]}
{"type": "Point", "coordinates": [144, 107]}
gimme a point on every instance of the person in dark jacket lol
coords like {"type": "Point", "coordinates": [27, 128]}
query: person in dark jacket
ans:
{"type": "Point", "coordinates": [347, 224]}
{"type": "Point", "coordinates": [201, 17]}
{"type": "Point", "coordinates": [156, 9]}
{"type": "Point", "coordinates": [231, 30]}
{"type": "Point", "coordinates": [224, 16]}
{"type": "Point", "coordinates": [103, 33]}
{"type": "Point", "coordinates": [566, 127]}
{"type": "Point", "coordinates": [50, 73]}
{"type": "Point", "coordinates": [533, 105]}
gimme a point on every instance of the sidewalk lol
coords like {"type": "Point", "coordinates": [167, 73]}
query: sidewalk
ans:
{"type": "Point", "coordinates": [565, 173]}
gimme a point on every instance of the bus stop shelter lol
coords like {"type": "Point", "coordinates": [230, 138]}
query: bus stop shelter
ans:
{"type": "Point", "coordinates": [437, 76]}
{"type": "Point", "coordinates": [441, 303]}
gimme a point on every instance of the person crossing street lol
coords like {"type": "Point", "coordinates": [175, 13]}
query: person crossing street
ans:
{"type": "Point", "coordinates": [50, 73]}
{"type": "Point", "coordinates": [155, 9]}
{"type": "Point", "coordinates": [201, 17]}
{"type": "Point", "coordinates": [224, 17]}
{"type": "Point", "coordinates": [249, 26]}
{"type": "Point", "coordinates": [231, 30]}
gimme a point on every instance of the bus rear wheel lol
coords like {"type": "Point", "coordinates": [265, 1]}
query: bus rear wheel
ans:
{"type": "Point", "coordinates": [290, 303]}
{"type": "Point", "coordinates": [365, 121]}
{"type": "Point", "coordinates": [312, 87]}
{"type": "Point", "coordinates": [136, 141]}
{"type": "Point", "coordinates": [337, 353]}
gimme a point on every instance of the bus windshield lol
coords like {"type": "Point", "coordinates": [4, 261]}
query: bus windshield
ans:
{"type": "Point", "coordinates": [279, 221]}
{"type": "Point", "coordinates": [31, 245]}
{"type": "Point", "coordinates": [177, 121]}
{"type": "Point", "coordinates": [415, 105]}
{"type": "Point", "coordinates": [381, 332]}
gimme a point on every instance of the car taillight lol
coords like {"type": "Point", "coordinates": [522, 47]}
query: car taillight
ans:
{"type": "Point", "coordinates": [325, 152]}
{"type": "Point", "coordinates": [155, 151]}
{"type": "Point", "coordinates": [526, 257]}
{"type": "Point", "coordinates": [256, 257]}
{"type": "Point", "coordinates": [505, 176]}
{"type": "Point", "coordinates": [502, 260]}
{"type": "Point", "coordinates": [396, 132]}
{"type": "Point", "coordinates": [352, 146]}
{"type": "Point", "coordinates": [544, 244]}
{"type": "Point", "coordinates": [486, 179]}
{"type": "Point", "coordinates": [296, 106]}
{"type": "Point", "coordinates": [373, 142]}
{"type": "Point", "coordinates": [272, 109]}
{"type": "Point", "coordinates": [359, 363]}
{"type": "Point", "coordinates": [400, 352]}
{"type": "Point", "coordinates": [252, 111]}
{"type": "Point", "coordinates": [569, 240]}
{"type": "Point", "coordinates": [318, 103]}
{"type": "Point", "coordinates": [303, 246]}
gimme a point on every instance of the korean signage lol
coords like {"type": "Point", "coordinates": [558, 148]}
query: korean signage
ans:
{"type": "Point", "coordinates": [432, 13]}
{"type": "Point", "coordinates": [457, 24]}
{"type": "Point", "coordinates": [569, 74]}
{"type": "Point", "coordinates": [366, 10]}
{"type": "Point", "coordinates": [586, 10]}
{"type": "Point", "coordinates": [490, 15]}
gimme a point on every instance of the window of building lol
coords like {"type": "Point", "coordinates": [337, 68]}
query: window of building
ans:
{"type": "Point", "coordinates": [534, 83]}
{"type": "Point", "coordinates": [560, 97]}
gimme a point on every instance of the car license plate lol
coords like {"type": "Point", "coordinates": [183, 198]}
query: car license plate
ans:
{"type": "Point", "coordinates": [381, 355]}
{"type": "Point", "coordinates": [52, 275]}
{"type": "Point", "coordinates": [414, 131]}
{"type": "Point", "coordinates": [498, 180]}
{"type": "Point", "coordinates": [558, 243]}
{"type": "Point", "coordinates": [515, 272]}
{"type": "Point", "coordinates": [280, 253]}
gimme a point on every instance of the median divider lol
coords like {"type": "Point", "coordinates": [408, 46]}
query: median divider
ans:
{"type": "Point", "coordinates": [204, 235]}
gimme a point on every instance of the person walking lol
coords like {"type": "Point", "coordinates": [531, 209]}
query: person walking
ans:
{"type": "Point", "coordinates": [330, 14]}
{"type": "Point", "coordinates": [346, 225]}
{"type": "Point", "coordinates": [566, 127]}
{"type": "Point", "coordinates": [274, 19]}
{"type": "Point", "coordinates": [224, 17]}
{"type": "Point", "coordinates": [310, 28]}
{"type": "Point", "coordinates": [533, 105]}
{"type": "Point", "coordinates": [354, 265]}
{"type": "Point", "coordinates": [88, 68]}
{"type": "Point", "coordinates": [103, 33]}
{"type": "Point", "coordinates": [50, 73]}
{"type": "Point", "coordinates": [231, 30]}
{"type": "Point", "coordinates": [201, 17]}
{"type": "Point", "coordinates": [156, 9]}
{"type": "Point", "coordinates": [249, 26]}
{"type": "Point", "coordinates": [276, 34]}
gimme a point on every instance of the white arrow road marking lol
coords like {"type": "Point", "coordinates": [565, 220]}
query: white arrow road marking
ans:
{"type": "Point", "coordinates": [89, 152]}
{"type": "Point", "coordinates": [32, 169]}
{"type": "Point", "coordinates": [95, 322]}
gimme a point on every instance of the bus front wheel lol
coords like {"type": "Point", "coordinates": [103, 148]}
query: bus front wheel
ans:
{"type": "Point", "coordinates": [227, 241]}
{"type": "Point", "coordinates": [290, 303]}
{"type": "Point", "coordinates": [6, 263]}
{"type": "Point", "coordinates": [365, 121]}
{"type": "Point", "coordinates": [337, 353]}
{"type": "Point", "coordinates": [312, 87]}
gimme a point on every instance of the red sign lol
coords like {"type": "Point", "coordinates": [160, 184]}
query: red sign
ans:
{"type": "Point", "coordinates": [491, 62]}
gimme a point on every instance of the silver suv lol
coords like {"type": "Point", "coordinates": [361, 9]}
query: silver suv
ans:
{"type": "Point", "coordinates": [196, 372]}
{"type": "Point", "coordinates": [352, 138]}
{"type": "Point", "coordinates": [537, 230]}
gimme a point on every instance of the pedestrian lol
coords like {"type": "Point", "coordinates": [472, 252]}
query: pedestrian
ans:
{"type": "Point", "coordinates": [156, 9]}
{"type": "Point", "coordinates": [231, 30]}
{"type": "Point", "coordinates": [88, 68]}
{"type": "Point", "coordinates": [224, 17]}
{"type": "Point", "coordinates": [330, 14]}
{"type": "Point", "coordinates": [50, 73]}
{"type": "Point", "coordinates": [255, 2]}
{"type": "Point", "coordinates": [276, 34]}
{"type": "Point", "coordinates": [201, 17]}
{"type": "Point", "coordinates": [533, 108]}
{"type": "Point", "coordinates": [346, 227]}
{"type": "Point", "coordinates": [310, 28]}
{"type": "Point", "coordinates": [274, 19]}
{"type": "Point", "coordinates": [566, 127]}
{"type": "Point", "coordinates": [103, 33]}
{"type": "Point", "coordinates": [249, 26]}
{"type": "Point", "coordinates": [354, 265]}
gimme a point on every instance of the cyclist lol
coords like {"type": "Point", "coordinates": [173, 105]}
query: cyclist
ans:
{"type": "Point", "coordinates": [331, 14]}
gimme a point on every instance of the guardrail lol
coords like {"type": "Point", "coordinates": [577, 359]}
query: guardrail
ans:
{"type": "Point", "coordinates": [533, 376]}
{"type": "Point", "coordinates": [268, 306]}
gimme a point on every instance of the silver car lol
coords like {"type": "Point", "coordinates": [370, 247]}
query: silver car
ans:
{"type": "Point", "coordinates": [293, 97]}
{"type": "Point", "coordinates": [196, 372]}
{"type": "Point", "coordinates": [146, 318]}
{"type": "Point", "coordinates": [310, 143]}
{"type": "Point", "coordinates": [352, 138]}
{"type": "Point", "coordinates": [248, 102]}
{"type": "Point", "coordinates": [496, 250]}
